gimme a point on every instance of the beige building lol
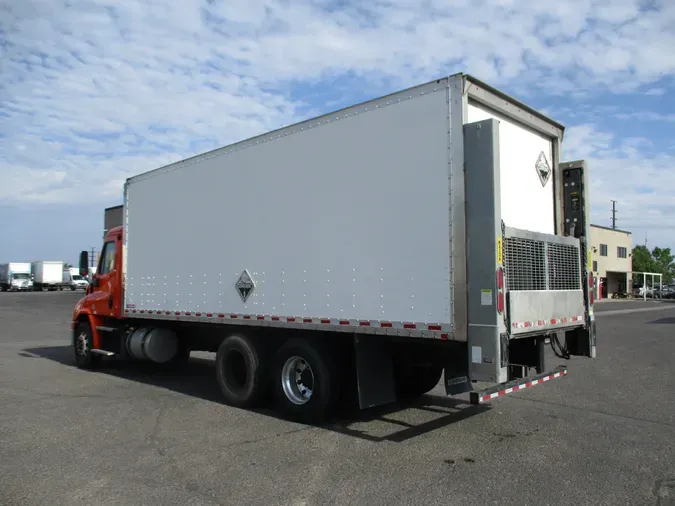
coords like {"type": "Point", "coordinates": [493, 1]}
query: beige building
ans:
{"type": "Point", "coordinates": [612, 260]}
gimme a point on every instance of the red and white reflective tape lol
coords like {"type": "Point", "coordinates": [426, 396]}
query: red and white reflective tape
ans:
{"type": "Point", "coordinates": [522, 386]}
{"type": "Point", "coordinates": [338, 322]}
{"type": "Point", "coordinates": [547, 323]}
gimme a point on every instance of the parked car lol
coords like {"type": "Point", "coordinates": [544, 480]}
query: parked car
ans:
{"type": "Point", "coordinates": [668, 292]}
{"type": "Point", "coordinates": [78, 282]}
{"type": "Point", "coordinates": [73, 280]}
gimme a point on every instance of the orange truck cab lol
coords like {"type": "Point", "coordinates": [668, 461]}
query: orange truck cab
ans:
{"type": "Point", "coordinates": [102, 302]}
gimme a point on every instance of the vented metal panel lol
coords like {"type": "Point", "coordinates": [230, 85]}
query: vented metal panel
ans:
{"type": "Point", "coordinates": [533, 264]}
{"type": "Point", "coordinates": [525, 262]}
{"type": "Point", "coordinates": [563, 267]}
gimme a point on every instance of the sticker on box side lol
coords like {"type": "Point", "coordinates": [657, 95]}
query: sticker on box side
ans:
{"type": "Point", "coordinates": [476, 354]}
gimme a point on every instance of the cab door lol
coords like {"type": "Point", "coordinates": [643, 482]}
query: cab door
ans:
{"type": "Point", "coordinates": [104, 285]}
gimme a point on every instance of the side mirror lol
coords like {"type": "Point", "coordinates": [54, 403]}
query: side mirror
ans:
{"type": "Point", "coordinates": [84, 263]}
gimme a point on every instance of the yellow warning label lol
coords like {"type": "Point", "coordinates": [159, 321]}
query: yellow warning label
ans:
{"type": "Point", "coordinates": [589, 268]}
{"type": "Point", "coordinates": [500, 252]}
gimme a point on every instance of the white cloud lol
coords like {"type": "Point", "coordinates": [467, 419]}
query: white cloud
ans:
{"type": "Point", "coordinates": [94, 91]}
{"type": "Point", "coordinates": [642, 184]}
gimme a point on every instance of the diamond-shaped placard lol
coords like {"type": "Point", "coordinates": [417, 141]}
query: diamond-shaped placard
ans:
{"type": "Point", "coordinates": [543, 169]}
{"type": "Point", "coordinates": [245, 285]}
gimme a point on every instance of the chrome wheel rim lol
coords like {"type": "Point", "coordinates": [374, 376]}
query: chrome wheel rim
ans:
{"type": "Point", "coordinates": [82, 344]}
{"type": "Point", "coordinates": [297, 380]}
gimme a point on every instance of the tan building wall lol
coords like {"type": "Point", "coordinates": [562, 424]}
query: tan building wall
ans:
{"type": "Point", "coordinates": [612, 259]}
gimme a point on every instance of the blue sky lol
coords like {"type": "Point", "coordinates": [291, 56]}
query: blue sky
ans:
{"type": "Point", "coordinates": [95, 91]}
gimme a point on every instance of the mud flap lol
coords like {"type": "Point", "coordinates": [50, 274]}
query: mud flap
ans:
{"type": "Point", "coordinates": [456, 385]}
{"type": "Point", "coordinates": [581, 342]}
{"type": "Point", "coordinates": [456, 374]}
{"type": "Point", "coordinates": [374, 371]}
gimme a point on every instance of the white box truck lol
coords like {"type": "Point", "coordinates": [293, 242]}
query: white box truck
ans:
{"type": "Point", "coordinates": [47, 275]}
{"type": "Point", "coordinates": [15, 276]}
{"type": "Point", "coordinates": [432, 232]}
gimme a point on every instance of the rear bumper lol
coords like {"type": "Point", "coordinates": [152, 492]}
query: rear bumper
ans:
{"type": "Point", "coordinates": [545, 310]}
{"type": "Point", "coordinates": [483, 396]}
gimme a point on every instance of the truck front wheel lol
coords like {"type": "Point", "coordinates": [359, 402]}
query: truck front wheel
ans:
{"type": "Point", "coordinates": [306, 383]}
{"type": "Point", "coordinates": [240, 372]}
{"type": "Point", "coordinates": [82, 345]}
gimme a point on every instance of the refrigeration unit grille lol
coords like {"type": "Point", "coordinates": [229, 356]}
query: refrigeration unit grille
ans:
{"type": "Point", "coordinates": [563, 267]}
{"type": "Point", "coordinates": [532, 264]}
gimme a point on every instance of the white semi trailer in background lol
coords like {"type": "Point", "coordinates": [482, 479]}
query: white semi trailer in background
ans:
{"type": "Point", "coordinates": [15, 276]}
{"type": "Point", "coordinates": [47, 275]}
{"type": "Point", "coordinates": [432, 232]}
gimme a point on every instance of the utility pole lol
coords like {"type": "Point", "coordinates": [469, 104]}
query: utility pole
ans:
{"type": "Point", "coordinates": [92, 259]}
{"type": "Point", "coordinates": [613, 214]}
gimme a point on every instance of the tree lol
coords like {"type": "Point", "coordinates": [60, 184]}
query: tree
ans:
{"type": "Point", "coordinates": [665, 263]}
{"type": "Point", "coordinates": [659, 260]}
{"type": "Point", "coordinates": [643, 260]}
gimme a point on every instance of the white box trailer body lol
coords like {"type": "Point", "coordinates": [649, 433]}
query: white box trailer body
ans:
{"type": "Point", "coordinates": [341, 219]}
{"type": "Point", "coordinates": [15, 276]}
{"type": "Point", "coordinates": [47, 274]}
{"type": "Point", "coordinates": [355, 221]}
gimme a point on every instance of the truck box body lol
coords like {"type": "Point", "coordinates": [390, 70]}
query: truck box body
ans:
{"type": "Point", "coordinates": [15, 275]}
{"type": "Point", "coordinates": [353, 220]}
{"type": "Point", "coordinates": [339, 218]}
{"type": "Point", "coordinates": [47, 273]}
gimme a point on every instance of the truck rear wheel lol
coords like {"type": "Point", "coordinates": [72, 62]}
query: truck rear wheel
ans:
{"type": "Point", "coordinates": [240, 372]}
{"type": "Point", "coordinates": [82, 345]}
{"type": "Point", "coordinates": [305, 381]}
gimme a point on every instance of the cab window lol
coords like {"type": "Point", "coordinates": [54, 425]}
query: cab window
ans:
{"type": "Point", "coordinates": [107, 262]}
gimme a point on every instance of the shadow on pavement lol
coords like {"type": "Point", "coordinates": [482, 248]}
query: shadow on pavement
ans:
{"type": "Point", "coordinates": [396, 422]}
{"type": "Point", "coordinates": [670, 320]}
{"type": "Point", "coordinates": [388, 423]}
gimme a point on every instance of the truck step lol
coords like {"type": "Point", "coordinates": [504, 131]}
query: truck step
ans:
{"type": "Point", "coordinates": [103, 328]}
{"type": "Point", "coordinates": [102, 352]}
{"type": "Point", "coordinates": [479, 397]}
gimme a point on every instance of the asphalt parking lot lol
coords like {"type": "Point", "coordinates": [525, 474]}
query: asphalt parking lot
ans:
{"type": "Point", "coordinates": [605, 434]}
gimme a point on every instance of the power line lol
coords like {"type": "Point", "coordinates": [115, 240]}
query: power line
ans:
{"type": "Point", "coordinates": [92, 258]}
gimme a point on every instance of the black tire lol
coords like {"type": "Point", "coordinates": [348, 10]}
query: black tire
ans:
{"type": "Point", "coordinates": [82, 344]}
{"type": "Point", "coordinates": [324, 385]}
{"type": "Point", "coordinates": [416, 380]}
{"type": "Point", "coordinates": [240, 372]}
